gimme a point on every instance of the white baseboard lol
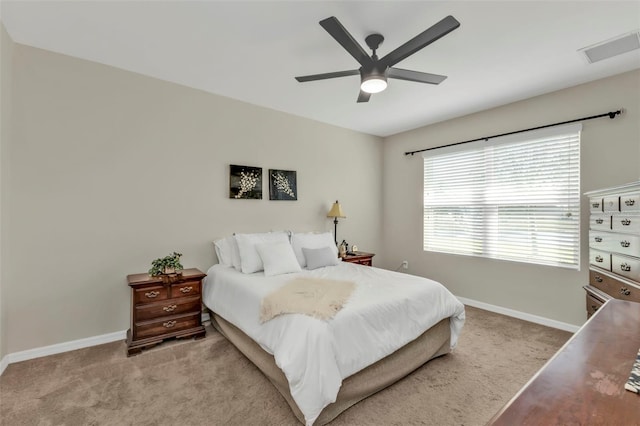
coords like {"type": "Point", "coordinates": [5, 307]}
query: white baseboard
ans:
{"type": "Point", "coordinates": [3, 364]}
{"type": "Point", "coordinates": [68, 346]}
{"type": "Point", "coordinates": [520, 315]}
{"type": "Point", "coordinates": [64, 347]}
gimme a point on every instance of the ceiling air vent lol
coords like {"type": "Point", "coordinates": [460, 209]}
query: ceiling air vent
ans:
{"type": "Point", "coordinates": [613, 47]}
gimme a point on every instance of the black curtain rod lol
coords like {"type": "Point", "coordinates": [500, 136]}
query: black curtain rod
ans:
{"type": "Point", "coordinates": [611, 115]}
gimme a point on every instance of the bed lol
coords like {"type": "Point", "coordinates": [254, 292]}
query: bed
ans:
{"type": "Point", "coordinates": [390, 325]}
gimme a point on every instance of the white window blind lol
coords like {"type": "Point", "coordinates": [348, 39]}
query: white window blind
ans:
{"type": "Point", "coordinates": [514, 198]}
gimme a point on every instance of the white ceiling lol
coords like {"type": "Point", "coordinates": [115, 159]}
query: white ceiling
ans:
{"type": "Point", "coordinates": [504, 51]}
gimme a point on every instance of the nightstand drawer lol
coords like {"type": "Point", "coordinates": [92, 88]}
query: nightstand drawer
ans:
{"type": "Point", "coordinates": [167, 308]}
{"type": "Point", "coordinates": [185, 289]}
{"type": "Point", "coordinates": [166, 325]}
{"type": "Point", "coordinates": [150, 294]}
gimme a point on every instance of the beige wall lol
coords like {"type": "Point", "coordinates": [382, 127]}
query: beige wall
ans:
{"type": "Point", "coordinates": [111, 170]}
{"type": "Point", "coordinates": [6, 64]}
{"type": "Point", "coordinates": [610, 153]}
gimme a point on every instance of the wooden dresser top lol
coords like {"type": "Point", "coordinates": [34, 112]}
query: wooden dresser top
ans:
{"type": "Point", "coordinates": [584, 381]}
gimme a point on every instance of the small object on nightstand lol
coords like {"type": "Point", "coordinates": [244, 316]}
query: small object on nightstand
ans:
{"type": "Point", "coordinates": [163, 309]}
{"type": "Point", "coordinates": [360, 258]}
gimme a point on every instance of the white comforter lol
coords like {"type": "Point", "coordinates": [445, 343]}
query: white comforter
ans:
{"type": "Point", "coordinates": [386, 311]}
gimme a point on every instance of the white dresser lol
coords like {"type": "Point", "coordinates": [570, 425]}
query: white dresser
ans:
{"type": "Point", "coordinates": [614, 245]}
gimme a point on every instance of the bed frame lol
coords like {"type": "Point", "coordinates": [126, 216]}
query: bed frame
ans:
{"type": "Point", "coordinates": [432, 343]}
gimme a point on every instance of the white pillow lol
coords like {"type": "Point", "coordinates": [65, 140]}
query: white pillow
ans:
{"type": "Point", "coordinates": [250, 260]}
{"type": "Point", "coordinates": [311, 240]}
{"type": "Point", "coordinates": [317, 258]}
{"type": "Point", "coordinates": [235, 253]}
{"type": "Point", "coordinates": [223, 251]}
{"type": "Point", "coordinates": [277, 258]}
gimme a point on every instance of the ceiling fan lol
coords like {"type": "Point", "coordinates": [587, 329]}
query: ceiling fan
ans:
{"type": "Point", "coordinates": [373, 71]}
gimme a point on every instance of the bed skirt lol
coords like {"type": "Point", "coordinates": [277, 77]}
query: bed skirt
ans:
{"type": "Point", "coordinates": [431, 344]}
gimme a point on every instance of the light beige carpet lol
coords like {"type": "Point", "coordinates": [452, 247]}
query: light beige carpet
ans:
{"type": "Point", "coordinates": [208, 382]}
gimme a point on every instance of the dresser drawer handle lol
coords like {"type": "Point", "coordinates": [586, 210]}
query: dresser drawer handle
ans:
{"type": "Point", "coordinates": [599, 259]}
{"type": "Point", "coordinates": [152, 294]}
{"type": "Point", "coordinates": [625, 267]}
{"type": "Point", "coordinates": [595, 205]}
{"type": "Point", "coordinates": [185, 290]}
{"type": "Point", "coordinates": [598, 278]}
{"type": "Point", "coordinates": [625, 291]}
{"type": "Point", "coordinates": [625, 243]}
{"type": "Point", "coordinates": [630, 202]}
{"type": "Point", "coordinates": [598, 239]}
{"type": "Point", "coordinates": [169, 308]}
{"type": "Point", "coordinates": [169, 324]}
{"type": "Point", "coordinates": [599, 221]}
{"type": "Point", "coordinates": [625, 222]}
{"type": "Point", "coordinates": [594, 307]}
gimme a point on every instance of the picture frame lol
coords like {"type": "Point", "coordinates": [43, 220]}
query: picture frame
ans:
{"type": "Point", "coordinates": [245, 182]}
{"type": "Point", "coordinates": [283, 185]}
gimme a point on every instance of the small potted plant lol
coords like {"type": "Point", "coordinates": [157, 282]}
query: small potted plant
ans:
{"type": "Point", "coordinates": [167, 267]}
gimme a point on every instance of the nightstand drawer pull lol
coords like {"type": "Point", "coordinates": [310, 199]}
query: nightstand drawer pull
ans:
{"type": "Point", "coordinates": [598, 278]}
{"type": "Point", "coordinates": [599, 259]}
{"type": "Point", "coordinates": [594, 307]}
{"type": "Point", "coordinates": [169, 324]}
{"type": "Point", "coordinates": [598, 239]}
{"type": "Point", "coordinates": [152, 294]}
{"type": "Point", "coordinates": [625, 291]}
{"type": "Point", "coordinates": [599, 221]}
{"type": "Point", "coordinates": [630, 202]}
{"type": "Point", "coordinates": [625, 222]}
{"type": "Point", "coordinates": [625, 267]}
{"type": "Point", "coordinates": [595, 205]}
{"type": "Point", "coordinates": [170, 308]}
{"type": "Point", "coordinates": [185, 290]}
{"type": "Point", "coordinates": [625, 243]}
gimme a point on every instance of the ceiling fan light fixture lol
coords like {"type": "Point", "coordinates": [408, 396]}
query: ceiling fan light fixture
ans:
{"type": "Point", "coordinates": [373, 83]}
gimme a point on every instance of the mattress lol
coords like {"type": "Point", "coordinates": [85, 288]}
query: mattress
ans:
{"type": "Point", "coordinates": [386, 311]}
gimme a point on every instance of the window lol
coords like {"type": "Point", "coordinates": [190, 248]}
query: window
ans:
{"type": "Point", "coordinates": [513, 198]}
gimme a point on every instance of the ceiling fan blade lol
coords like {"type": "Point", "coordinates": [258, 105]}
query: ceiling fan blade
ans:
{"type": "Point", "coordinates": [324, 76]}
{"type": "Point", "coordinates": [423, 39]}
{"type": "Point", "coordinates": [420, 77]}
{"type": "Point", "coordinates": [342, 36]}
{"type": "Point", "coordinates": [363, 96]}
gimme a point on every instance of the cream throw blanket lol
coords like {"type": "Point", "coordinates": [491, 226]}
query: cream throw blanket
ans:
{"type": "Point", "coordinates": [315, 297]}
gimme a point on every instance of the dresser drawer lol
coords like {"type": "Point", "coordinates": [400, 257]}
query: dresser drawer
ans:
{"type": "Point", "coordinates": [626, 266]}
{"type": "Point", "coordinates": [593, 304]}
{"type": "Point", "coordinates": [626, 244]}
{"type": "Point", "coordinates": [630, 203]}
{"type": "Point", "coordinates": [626, 223]}
{"type": "Point", "coordinates": [613, 287]}
{"type": "Point", "coordinates": [185, 289]}
{"type": "Point", "coordinates": [595, 205]}
{"type": "Point", "coordinates": [600, 222]}
{"type": "Point", "coordinates": [616, 243]}
{"type": "Point", "coordinates": [600, 259]}
{"type": "Point", "coordinates": [167, 308]}
{"type": "Point", "coordinates": [166, 325]}
{"type": "Point", "coordinates": [611, 204]}
{"type": "Point", "coordinates": [150, 294]}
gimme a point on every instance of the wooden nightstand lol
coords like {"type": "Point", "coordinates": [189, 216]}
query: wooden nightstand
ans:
{"type": "Point", "coordinates": [162, 310]}
{"type": "Point", "coordinates": [360, 258]}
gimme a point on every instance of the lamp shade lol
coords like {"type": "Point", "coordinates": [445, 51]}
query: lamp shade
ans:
{"type": "Point", "coordinates": [336, 211]}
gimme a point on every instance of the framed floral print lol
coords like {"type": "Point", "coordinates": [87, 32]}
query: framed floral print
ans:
{"type": "Point", "coordinates": [245, 182]}
{"type": "Point", "coordinates": [283, 185]}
